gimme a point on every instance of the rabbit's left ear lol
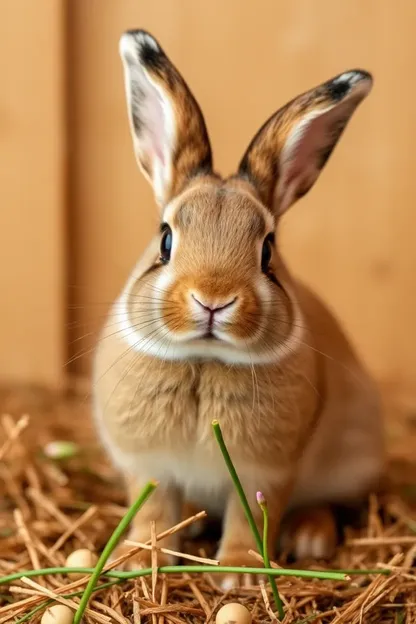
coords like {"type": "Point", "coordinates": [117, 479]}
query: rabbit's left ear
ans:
{"type": "Point", "coordinates": [169, 133]}
{"type": "Point", "coordinates": [288, 153]}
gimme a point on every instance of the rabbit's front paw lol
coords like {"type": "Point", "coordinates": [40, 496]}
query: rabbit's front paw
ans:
{"type": "Point", "coordinates": [310, 534]}
{"type": "Point", "coordinates": [234, 580]}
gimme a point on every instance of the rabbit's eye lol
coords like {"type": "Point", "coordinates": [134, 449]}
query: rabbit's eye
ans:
{"type": "Point", "coordinates": [166, 244]}
{"type": "Point", "coordinates": [266, 253]}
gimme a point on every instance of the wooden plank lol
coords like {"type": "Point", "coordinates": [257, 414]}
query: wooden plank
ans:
{"type": "Point", "coordinates": [32, 162]}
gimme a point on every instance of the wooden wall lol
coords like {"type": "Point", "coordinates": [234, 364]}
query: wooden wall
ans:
{"type": "Point", "coordinates": [32, 190]}
{"type": "Point", "coordinates": [352, 237]}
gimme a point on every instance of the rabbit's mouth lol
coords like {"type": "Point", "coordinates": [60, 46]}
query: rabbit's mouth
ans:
{"type": "Point", "coordinates": [209, 336]}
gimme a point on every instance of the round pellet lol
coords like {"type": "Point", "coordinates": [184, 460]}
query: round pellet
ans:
{"type": "Point", "coordinates": [82, 558]}
{"type": "Point", "coordinates": [58, 614]}
{"type": "Point", "coordinates": [234, 613]}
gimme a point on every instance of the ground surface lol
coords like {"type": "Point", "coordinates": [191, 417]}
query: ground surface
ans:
{"type": "Point", "coordinates": [50, 508]}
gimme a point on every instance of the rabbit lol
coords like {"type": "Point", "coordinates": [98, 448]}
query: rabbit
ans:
{"type": "Point", "coordinates": [212, 325]}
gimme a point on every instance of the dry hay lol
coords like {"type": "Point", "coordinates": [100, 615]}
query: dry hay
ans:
{"type": "Point", "coordinates": [48, 509]}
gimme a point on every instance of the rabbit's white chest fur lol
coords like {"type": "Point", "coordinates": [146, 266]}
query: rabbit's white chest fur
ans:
{"type": "Point", "coordinates": [155, 420]}
{"type": "Point", "coordinates": [201, 478]}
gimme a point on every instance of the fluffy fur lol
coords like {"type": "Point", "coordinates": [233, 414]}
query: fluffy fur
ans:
{"type": "Point", "coordinates": [216, 327]}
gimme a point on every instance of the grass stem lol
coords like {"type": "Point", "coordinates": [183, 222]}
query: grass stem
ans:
{"type": "Point", "coordinates": [237, 484]}
{"type": "Point", "coordinates": [263, 506]}
{"type": "Point", "coordinates": [182, 569]}
{"type": "Point", "coordinates": [246, 507]}
{"type": "Point", "coordinates": [110, 546]}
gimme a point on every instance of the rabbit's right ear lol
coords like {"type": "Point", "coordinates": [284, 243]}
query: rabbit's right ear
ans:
{"type": "Point", "coordinates": [286, 156]}
{"type": "Point", "coordinates": [169, 133]}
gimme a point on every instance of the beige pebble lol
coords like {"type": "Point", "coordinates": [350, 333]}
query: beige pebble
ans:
{"type": "Point", "coordinates": [82, 558]}
{"type": "Point", "coordinates": [233, 612]}
{"type": "Point", "coordinates": [58, 614]}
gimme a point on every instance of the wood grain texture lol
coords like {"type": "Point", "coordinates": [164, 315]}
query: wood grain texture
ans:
{"type": "Point", "coordinates": [352, 237]}
{"type": "Point", "coordinates": [32, 191]}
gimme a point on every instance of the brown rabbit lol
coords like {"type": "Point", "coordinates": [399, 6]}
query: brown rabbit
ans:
{"type": "Point", "coordinates": [210, 324]}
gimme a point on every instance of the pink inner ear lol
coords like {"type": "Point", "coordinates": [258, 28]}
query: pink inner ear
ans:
{"type": "Point", "coordinates": [301, 162]}
{"type": "Point", "coordinates": [154, 134]}
{"type": "Point", "coordinates": [305, 151]}
{"type": "Point", "coordinates": [159, 155]}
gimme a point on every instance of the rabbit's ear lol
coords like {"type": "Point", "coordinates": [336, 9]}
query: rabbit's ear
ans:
{"type": "Point", "coordinates": [286, 156]}
{"type": "Point", "coordinates": [169, 133]}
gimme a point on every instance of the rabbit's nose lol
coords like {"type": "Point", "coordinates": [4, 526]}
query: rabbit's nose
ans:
{"type": "Point", "coordinates": [213, 307]}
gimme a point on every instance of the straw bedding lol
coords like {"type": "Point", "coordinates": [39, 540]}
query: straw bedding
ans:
{"type": "Point", "coordinates": [49, 508]}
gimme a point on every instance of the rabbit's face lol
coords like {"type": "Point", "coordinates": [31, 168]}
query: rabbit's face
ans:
{"type": "Point", "coordinates": [216, 286]}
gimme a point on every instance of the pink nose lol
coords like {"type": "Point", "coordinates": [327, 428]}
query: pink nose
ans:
{"type": "Point", "coordinates": [212, 309]}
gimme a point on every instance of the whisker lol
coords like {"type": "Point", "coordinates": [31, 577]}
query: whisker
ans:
{"type": "Point", "coordinates": [255, 384]}
{"type": "Point", "coordinates": [137, 358]}
{"type": "Point", "coordinates": [176, 327]}
{"type": "Point", "coordinates": [137, 327]}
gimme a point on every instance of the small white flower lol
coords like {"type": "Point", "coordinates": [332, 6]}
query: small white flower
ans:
{"type": "Point", "coordinates": [61, 449]}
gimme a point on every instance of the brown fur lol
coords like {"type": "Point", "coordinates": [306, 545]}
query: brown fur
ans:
{"type": "Point", "coordinates": [300, 415]}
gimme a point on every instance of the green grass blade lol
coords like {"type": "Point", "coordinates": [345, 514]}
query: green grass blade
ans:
{"type": "Point", "coordinates": [246, 507]}
{"type": "Point", "coordinates": [263, 506]}
{"type": "Point", "coordinates": [190, 569]}
{"type": "Point", "coordinates": [110, 546]}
